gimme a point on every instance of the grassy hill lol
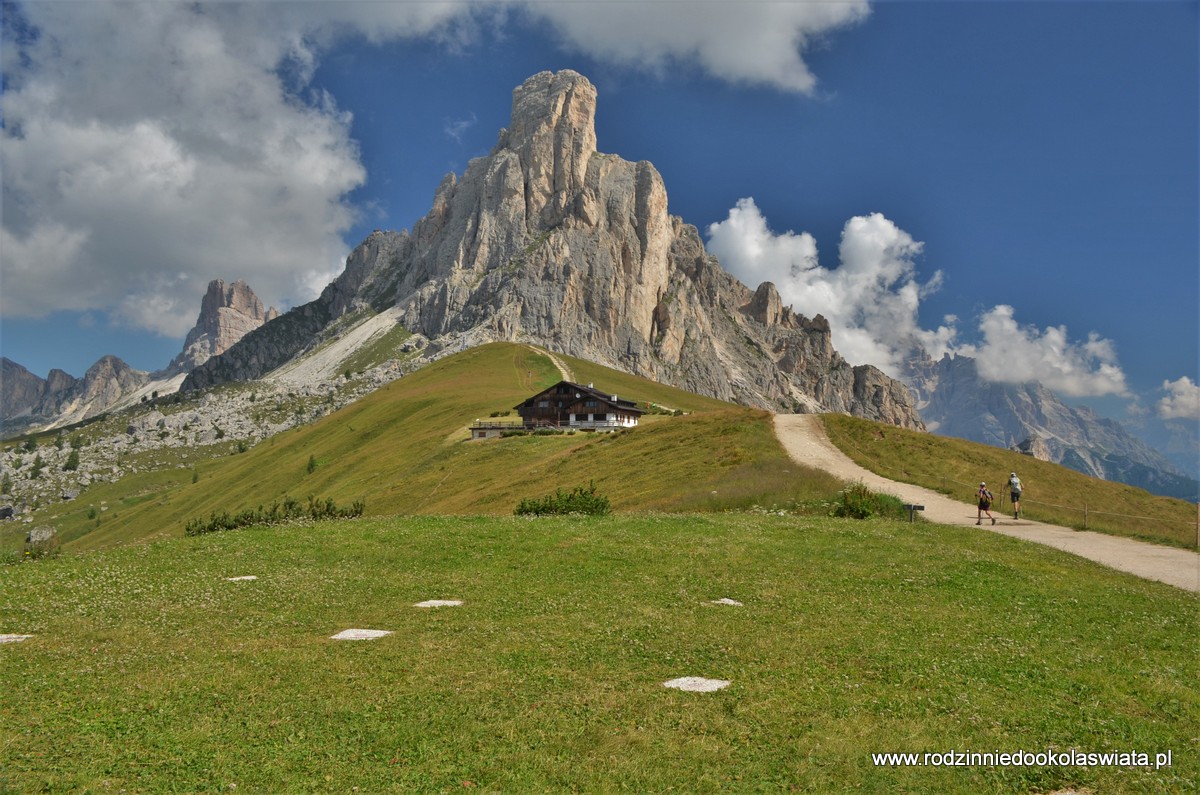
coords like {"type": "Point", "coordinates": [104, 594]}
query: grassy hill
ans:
{"type": "Point", "coordinates": [405, 450]}
{"type": "Point", "coordinates": [149, 672]}
{"type": "Point", "coordinates": [1052, 493]}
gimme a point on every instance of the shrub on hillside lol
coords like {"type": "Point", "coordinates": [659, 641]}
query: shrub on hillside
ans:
{"type": "Point", "coordinates": [856, 501]}
{"type": "Point", "coordinates": [581, 499]}
{"type": "Point", "coordinates": [290, 510]}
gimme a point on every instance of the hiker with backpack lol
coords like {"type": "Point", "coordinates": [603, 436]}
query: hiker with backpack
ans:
{"type": "Point", "coordinates": [985, 503]}
{"type": "Point", "coordinates": [1014, 491]}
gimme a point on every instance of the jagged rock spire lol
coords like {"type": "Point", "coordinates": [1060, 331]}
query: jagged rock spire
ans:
{"type": "Point", "coordinates": [553, 132]}
{"type": "Point", "coordinates": [227, 313]}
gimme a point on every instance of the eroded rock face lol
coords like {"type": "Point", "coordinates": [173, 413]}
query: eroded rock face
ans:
{"type": "Point", "coordinates": [227, 313]}
{"type": "Point", "coordinates": [62, 395]}
{"type": "Point", "coordinates": [549, 241]}
{"type": "Point", "coordinates": [20, 390]}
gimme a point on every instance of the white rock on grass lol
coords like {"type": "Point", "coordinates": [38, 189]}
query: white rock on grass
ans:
{"type": "Point", "coordinates": [360, 634]}
{"type": "Point", "coordinates": [439, 603]}
{"type": "Point", "coordinates": [14, 638]}
{"type": "Point", "coordinates": [727, 601]}
{"type": "Point", "coordinates": [697, 684]}
{"type": "Point", "coordinates": [243, 578]}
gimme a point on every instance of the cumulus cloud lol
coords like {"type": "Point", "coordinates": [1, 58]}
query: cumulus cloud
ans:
{"type": "Point", "coordinates": [872, 302]}
{"type": "Point", "coordinates": [1013, 353]}
{"type": "Point", "coordinates": [752, 43]}
{"type": "Point", "coordinates": [150, 147]}
{"type": "Point", "coordinates": [158, 145]}
{"type": "Point", "coordinates": [1182, 401]}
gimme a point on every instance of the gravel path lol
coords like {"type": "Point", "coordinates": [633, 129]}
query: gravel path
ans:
{"type": "Point", "coordinates": [803, 436]}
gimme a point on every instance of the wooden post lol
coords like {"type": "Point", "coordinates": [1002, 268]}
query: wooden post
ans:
{"type": "Point", "coordinates": [1085, 516]}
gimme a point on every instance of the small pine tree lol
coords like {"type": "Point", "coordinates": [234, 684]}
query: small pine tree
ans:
{"type": "Point", "coordinates": [312, 464]}
{"type": "Point", "coordinates": [72, 462]}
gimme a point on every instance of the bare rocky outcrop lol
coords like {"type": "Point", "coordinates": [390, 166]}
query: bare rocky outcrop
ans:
{"type": "Point", "coordinates": [548, 240]}
{"type": "Point", "coordinates": [62, 397]}
{"type": "Point", "coordinates": [20, 390]}
{"type": "Point", "coordinates": [227, 313]}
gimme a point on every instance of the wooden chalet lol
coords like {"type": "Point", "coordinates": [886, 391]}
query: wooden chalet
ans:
{"type": "Point", "coordinates": [568, 406]}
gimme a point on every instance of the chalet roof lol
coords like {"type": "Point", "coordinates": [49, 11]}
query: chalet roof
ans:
{"type": "Point", "coordinates": [579, 391]}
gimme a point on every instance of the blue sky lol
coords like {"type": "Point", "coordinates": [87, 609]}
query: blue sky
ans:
{"type": "Point", "coordinates": [1028, 168]}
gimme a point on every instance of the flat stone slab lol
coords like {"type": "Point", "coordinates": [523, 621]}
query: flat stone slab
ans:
{"type": "Point", "coordinates": [244, 578]}
{"type": "Point", "coordinates": [439, 603]}
{"type": "Point", "coordinates": [14, 638]}
{"type": "Point", "coordinates": [727, 601]}
{"type": "Point", "coordinates": [697, 684]}
{"type": "Point", "coordinates": [360, 634]}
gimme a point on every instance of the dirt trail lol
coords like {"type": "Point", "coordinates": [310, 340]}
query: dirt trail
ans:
{"type": "Point", "coordinates": [803, 436]}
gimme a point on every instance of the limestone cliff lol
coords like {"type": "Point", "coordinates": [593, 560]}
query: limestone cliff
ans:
{"type": "Point", "coordinates": [227, 313]}
{"type": "Point", "coordinates": [548, 240]}
{"type": "Point", "coordinates": [31, 402]}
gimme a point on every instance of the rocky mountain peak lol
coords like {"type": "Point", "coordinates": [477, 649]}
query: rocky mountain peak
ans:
{"type": "Point", "coordinates": [553, 133]}
{"type": "Point", "coordinates": [548, 240]}
{"type": "Point", "coordinates": [227, 313]}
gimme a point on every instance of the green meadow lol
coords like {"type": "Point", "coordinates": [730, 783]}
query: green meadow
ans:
{"type": "Point", "coordinates": [149, 671]}
{"type": "Point", "coordinates": [405, 449]}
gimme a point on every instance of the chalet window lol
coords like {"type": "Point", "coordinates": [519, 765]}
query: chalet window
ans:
{"type": "Point", "coordinates": [591, 403]}
{"type": "Point", "coordinates": [543, 404]}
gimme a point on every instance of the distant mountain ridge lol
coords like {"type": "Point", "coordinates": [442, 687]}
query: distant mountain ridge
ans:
{"type": "Point", "coordinates": [27, 401]}
{"type": "Point", "coordinates": [547, 240]}
{"type": "Point", "coordinates": [955, 401]}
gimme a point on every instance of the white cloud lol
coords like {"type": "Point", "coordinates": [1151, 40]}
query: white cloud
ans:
{"type": "Point", "coordinates": [158, 138]}
{"type": "Point", "coordinates": [1182, 401]}
{"type": "Point", "coordinates": [456, 128]}
{"type": "Point", "coordinates": [149, 138]}
{"type": "Point", "coordinates": [1017, 354]}
{"type": "Point", "coordinates": [753, 43]}
{"type": "Point", "coordinates": [870, 301]}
